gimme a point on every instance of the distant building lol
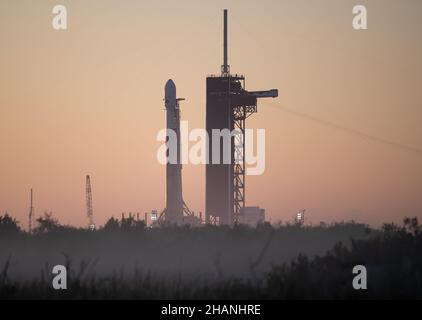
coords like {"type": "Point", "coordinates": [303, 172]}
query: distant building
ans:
{"type": "Point", "coordinates": [252, 216]}
{"type": "Point", "coordinates": [154, 215]}
{"type": "Point", "coordinates": [300, 217]}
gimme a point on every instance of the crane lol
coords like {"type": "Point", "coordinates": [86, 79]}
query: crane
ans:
{"type": "Point", "coordinates": [89, 210]}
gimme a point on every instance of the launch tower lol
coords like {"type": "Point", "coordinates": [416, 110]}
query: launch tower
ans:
{"type": "Point", "coordinates": [228, 105]}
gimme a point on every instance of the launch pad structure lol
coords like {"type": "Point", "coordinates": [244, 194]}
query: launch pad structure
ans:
{"type": "Point", "coordinates": [228, 105]}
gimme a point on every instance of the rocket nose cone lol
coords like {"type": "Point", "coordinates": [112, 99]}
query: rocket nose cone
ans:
{"type": "Point", "coordinates": [170, 89]}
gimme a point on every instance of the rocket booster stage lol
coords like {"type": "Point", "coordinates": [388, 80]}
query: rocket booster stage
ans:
{"type": "Point", "coordinates": [174, 200]}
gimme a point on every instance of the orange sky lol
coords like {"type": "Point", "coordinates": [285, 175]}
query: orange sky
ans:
{"type": "Point", "coordinates": [89, 101]}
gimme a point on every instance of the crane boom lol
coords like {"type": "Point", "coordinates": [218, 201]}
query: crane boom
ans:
{"type": "Point", "coordinates": [89, 209]}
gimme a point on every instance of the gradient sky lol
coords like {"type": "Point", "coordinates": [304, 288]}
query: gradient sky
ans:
{"type": "Point", "coordinates": [89, 101]}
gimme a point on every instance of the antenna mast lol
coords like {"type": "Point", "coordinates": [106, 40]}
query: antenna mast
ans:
{"type": "Point", "coordinates": [31, 213]}
{"type": "Point", "coordinates": [225, 68]}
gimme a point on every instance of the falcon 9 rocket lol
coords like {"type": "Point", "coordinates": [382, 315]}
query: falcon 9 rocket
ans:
{"type": "Point", "coordinates": [174, 200]}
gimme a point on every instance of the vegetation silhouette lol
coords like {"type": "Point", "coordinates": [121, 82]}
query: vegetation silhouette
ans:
{"type": "Point", "coordinates": [127, 260]}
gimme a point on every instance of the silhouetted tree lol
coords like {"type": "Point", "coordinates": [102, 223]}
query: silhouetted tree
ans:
{"type": "Point", "coordinates": [412, 225]}
{"type": "Point", "coordinates": [8, 225]}
{"type": "Point", "coordinates": [125, 224]}
{"type": "Point", "coordinates": [47, 223]}
{"type": "Point", "coordinates": [112, 224]}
